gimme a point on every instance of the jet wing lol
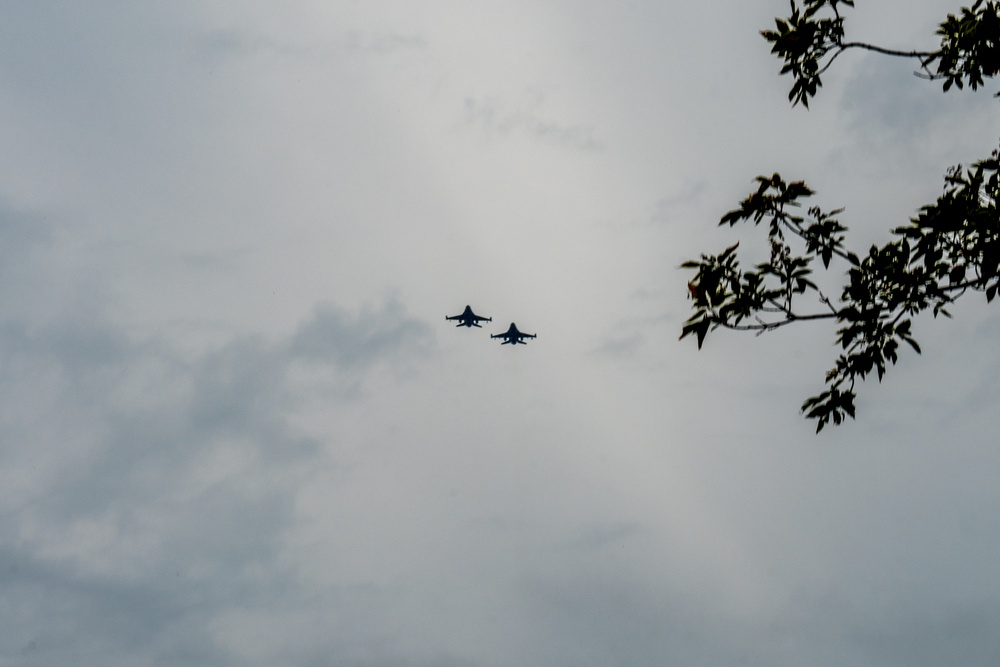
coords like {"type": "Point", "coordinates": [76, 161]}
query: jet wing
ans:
{"type": "Point", "coordinates": [468, 316]}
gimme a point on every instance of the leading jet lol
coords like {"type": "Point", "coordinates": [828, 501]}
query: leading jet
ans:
{"type": "Point", "coordinates": [512, 336]}
{"type": "Point", "coordinates": [469, 318]}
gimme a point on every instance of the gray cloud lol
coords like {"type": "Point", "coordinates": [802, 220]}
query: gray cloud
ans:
{"type": "Point", "coordinates": [219, 44]}
{"type": "Point", "coordinates": [619, 345]}
{"type": "Point", "coordinates": [160, 486]}
{"type": "Point", "coordinates": [360, 341]}
{"type": "Point", "coordinates": [888, 105]}
{"type": "Point", "coordinates": [496, 116]}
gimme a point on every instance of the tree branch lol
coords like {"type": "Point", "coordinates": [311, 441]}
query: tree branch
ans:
{"type": "Point", "coordinates": [888, 52]}
{"type": "Point", "coordinates": [768, 326]}
{"type": "Point", "coordinates": [922, 55]}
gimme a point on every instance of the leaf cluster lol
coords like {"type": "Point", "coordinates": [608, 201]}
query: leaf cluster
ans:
{"type": "Point", "coordinates": [950, 247]}
{"type": "Point", "coordinates": [803, 40]}
{"type": "Point", "coordinates": [812, 37]}
{"type": "Point", "coordinates": [970, 46]}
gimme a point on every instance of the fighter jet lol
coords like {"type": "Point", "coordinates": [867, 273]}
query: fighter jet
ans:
{"type": "Point", "coordinates": [469, 318]}
{"type": "Point", "coordinates": [512, 336]}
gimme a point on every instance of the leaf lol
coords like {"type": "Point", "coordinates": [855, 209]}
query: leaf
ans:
{"type": "Point", "coordinates": [699, 328]}
{"type": "Point", "coordinates": [729, 251]}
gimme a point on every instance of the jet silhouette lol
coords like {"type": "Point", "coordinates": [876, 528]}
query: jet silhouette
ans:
{"type": "Point", "coordinates": [512, 336]}
{"type": "Point", "coordinates": [468, 318]}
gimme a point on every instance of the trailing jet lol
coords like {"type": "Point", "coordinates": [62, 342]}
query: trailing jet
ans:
{"type": "Point", "coordinates": [512, 336]}
{"type": "Point", "coordinates": [469, 318]}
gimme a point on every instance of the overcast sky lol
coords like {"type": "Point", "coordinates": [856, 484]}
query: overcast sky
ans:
{"type": "Point", "coordinates": [236, 430]}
